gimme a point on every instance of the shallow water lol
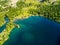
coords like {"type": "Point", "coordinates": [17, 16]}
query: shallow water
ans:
{"type": "Point", "coordinates": [4, 26]}
{"type": "Point", "coordinates": [35, 31]}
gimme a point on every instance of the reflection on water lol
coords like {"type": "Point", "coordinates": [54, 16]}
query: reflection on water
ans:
{"type": "Point", "coordinates": [6, 19]}
{"type": "Point", "coordinates": [35, 31]}
{"type": "Point", "coordinates": [4, 26]}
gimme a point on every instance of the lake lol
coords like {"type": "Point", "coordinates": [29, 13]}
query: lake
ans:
{"type": "Point", "coordinates": [4, 26]}
{"type": "Point", "coordinates": [35, 31]}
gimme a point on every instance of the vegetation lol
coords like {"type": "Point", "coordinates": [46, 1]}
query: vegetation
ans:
{"type": "Point", "coordinates": [24, 9]}
{"type": "Point", "coordinates": [2, 19]}
{"type": "Point", "coordinates": [5, 34]}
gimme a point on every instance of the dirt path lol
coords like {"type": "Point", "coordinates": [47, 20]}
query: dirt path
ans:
{"type": "Point", "coordinates": [13, 2]}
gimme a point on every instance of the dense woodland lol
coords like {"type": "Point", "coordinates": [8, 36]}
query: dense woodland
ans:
{"type": "Point", "coordinates": [45, 8]}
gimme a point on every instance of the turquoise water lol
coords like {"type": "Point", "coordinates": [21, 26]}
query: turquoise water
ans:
{"type": "Point", "coordinates": [35, 31]}
{"type": "Point", "coordinates": [4, 26]}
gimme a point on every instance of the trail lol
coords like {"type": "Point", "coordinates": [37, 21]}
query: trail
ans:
{"type": "Point", "coordinates": [13, 3]}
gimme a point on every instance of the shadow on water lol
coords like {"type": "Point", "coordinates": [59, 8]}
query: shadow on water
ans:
{"type": "Point", "coordinates": [35, 31]}
{"type": "Point", "coordinates": [4, 26]}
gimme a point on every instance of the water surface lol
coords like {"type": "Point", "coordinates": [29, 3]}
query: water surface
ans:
{"type": "Point", "coordinates": [4, 26]}
{"type": "Point", "coordinates": [35, 31]}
